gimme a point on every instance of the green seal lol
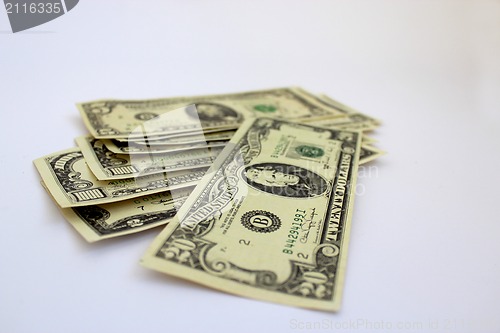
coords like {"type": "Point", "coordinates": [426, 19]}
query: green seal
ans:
{"type": "Point", "coordinates": [265, 108]}
{"type": "Point", "coordinates": [309, 151]}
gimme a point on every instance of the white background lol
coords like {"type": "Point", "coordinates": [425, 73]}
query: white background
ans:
{"type": "Point", "coordinates": [424, 250]}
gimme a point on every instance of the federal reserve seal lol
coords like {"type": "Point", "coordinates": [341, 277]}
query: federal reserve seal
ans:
{"type": "Point", "coordinates": [260, 221]}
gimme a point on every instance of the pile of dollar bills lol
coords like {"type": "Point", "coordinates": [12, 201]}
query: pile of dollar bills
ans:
{"type": "Point", "coordinates": [257, 188]}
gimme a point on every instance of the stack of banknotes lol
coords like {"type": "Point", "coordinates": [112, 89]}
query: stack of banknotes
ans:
{"type": "Point", "coordinates": [257, 187]}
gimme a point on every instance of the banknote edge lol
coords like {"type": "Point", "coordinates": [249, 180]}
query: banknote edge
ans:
{"type": "Point", "coordinates": [150, 261]}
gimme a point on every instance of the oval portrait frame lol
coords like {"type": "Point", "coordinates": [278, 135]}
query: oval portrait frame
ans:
{"type": "Point", "coordinates": [309, 184]}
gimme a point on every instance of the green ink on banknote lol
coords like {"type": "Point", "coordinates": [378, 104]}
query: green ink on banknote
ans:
{"type": "Point", "coordinates": [265, 108]}
{"type": "Point", "coordinates": [309, 151]}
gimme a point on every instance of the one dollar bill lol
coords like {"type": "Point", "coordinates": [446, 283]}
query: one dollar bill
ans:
{"type": "Point", "coordinates": [271, 218]}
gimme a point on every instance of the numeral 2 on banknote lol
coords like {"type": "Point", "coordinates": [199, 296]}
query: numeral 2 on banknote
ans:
{"type": "Point", "coordinates": [271, 218]}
